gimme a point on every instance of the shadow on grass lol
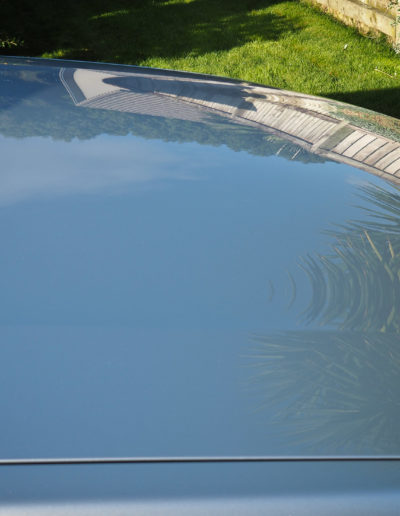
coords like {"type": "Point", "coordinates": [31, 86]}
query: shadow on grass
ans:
{"type": "Point", "coordinates": [131, 31]}
{"type": "Point", "coordinates": [385, 101]}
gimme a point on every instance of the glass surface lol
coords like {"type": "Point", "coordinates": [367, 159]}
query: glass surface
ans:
{"type": "Point", "coordinates": [180, 282]}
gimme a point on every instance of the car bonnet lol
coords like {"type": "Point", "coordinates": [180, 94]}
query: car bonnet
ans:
{"type": "Point", "coordinates": [194, 267]}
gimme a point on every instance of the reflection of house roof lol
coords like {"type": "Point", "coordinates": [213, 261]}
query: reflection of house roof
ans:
{"type": "Point", "coordinates": [283, 113]}
{"type": "Point", "coordinates": [88, 89]}
{"type": "Point", "coordinates": [366, 149]}
{"type": "Point", "coordinates": [332, 138]}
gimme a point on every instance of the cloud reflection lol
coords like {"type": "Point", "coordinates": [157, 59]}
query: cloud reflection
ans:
{"type": "Point", "coordinates": [40, 167]}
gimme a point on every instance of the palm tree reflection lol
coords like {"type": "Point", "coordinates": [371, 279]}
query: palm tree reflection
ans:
{"type": "Point", "coordinates": [336, 389]}
{"type": "Point", "coordinates": [357, 286]}
{"type": "Point", "coordinates": [333, 392]}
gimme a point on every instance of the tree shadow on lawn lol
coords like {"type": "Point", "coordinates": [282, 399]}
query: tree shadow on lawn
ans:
{"type": "Point", "coordinates": [130, 32]}
{"type": "Point", "coordinates": [385, 101]}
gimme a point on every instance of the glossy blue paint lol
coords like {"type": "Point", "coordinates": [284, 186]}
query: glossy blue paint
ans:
{"type": "Point", "coordinates": [155, 269]}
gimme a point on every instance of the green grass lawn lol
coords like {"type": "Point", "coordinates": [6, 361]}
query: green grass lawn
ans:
{"type": "Point", "coordinates": [286, 44]}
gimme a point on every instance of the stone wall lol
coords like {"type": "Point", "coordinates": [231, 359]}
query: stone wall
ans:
{"type": "Point", "coordinates": [368, 16]}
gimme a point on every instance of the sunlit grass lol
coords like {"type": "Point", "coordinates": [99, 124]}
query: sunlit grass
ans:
{"type": "Point", "coordinates": [286, 44]}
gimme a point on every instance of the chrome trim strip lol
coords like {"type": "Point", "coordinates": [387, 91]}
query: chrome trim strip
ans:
{"type": "Point", "coordinates": [194, 459]}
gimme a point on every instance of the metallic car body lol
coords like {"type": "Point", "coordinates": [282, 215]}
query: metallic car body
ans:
{"type": "Point", "coordinates": [200, 307]}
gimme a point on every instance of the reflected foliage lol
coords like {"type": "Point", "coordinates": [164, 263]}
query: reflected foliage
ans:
{"type": "Point", "coordinates": [357, 287]}
{"type": "Point", "coordinates": [332, 392]}
{"type": "Point", "coordinates": [336, 390]}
